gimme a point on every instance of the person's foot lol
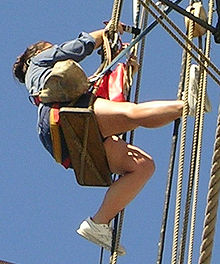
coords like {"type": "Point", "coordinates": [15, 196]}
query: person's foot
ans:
{"type": "Point", "coordinates": [100, 234]}
{"type": "Point", "coordinates": [193, 91]}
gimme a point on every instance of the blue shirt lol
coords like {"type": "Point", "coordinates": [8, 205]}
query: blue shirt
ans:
{"type": "Point", "coordinates": [42, 64]}
{"type": "Point", "coordinates": [39, 68]}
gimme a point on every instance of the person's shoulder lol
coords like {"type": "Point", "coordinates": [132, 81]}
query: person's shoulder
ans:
{"type": "Point", "coordinates": [45, 56]}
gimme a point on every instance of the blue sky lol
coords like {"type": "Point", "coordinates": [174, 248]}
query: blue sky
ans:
{"type": "Point", "coordinates": [41, 204]}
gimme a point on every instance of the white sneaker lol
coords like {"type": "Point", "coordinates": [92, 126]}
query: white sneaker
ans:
{"type": "Point", "coordinates": [193, 91]}
{"type": "Point", "coordinates": [100, 234]}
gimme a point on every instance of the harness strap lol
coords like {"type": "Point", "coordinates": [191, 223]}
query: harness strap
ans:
{"type": "Point", "coordinates": [55, 133]}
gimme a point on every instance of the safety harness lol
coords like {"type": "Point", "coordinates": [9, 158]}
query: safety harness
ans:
{"type": "Point", "coordinates": [111, 87]}
{"type": "Point", "coordinates": [56, 136]}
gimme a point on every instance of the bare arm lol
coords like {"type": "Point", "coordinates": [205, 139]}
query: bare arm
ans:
{"type": "Point", "coordinates": [97, 35]}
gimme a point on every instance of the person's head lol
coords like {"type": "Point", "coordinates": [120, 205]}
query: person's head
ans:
{"type": "Point", "coordinates": [21, 65]}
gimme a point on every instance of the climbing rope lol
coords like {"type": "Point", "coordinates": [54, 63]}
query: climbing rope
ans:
{"type": "Point", "coordinates": [204, 63]}
{"type": "Point", "coordinates": [191, 44]}
{"type": "Point", "coordinates": [143, 22]}
{"type": "Point", "coordinates": [195, 192]}
{"type": "Point", "coordinates": [120, 217]}
{"type": "Point", "coordinates": [182, 150]}
{"type": "Point", "coordinates": [171, 165]}
{"type": "Point", "coordinates": [217, 82]}
{"type": "Point", "coordinates": [200, 120]}
{"type": "Point", "coordinates": [195, 158]}
{"type": "Point", "coordinates": [212, 202]}
{"type": "Point", "coordinates": [110, 48]}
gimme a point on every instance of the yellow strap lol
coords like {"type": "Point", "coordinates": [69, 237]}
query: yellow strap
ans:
{"type": "Point", "coordinates": [55, 136]}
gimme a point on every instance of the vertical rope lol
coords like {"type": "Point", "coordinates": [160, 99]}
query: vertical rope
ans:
{"type": "Point", "coordinates": [171, 165]}
{"type": "Point", "coordinates": [200, 117]}
{"type": "Point", "coordinates": [182, 153]}
{"type": "Point", "coordinates": [113, 29]}
{"type": "Point", "coordinates": [114, 256]}
{"type": "Point", "coordinates": [195, 164]}
{"type": "Point", "coordinates": [194, 158]}
{"type": "Point", "coordinates": [141, 56]}
{"type": "Point", "coordinates": [143, 22]}
{"type": "Point", "coordinates": [101, 255]}
{"type": "Point", "coordinates": [212, 202]}
{"type": "Point", "coordinates": [174, 36]}
{"type": "Point", "coordinates": [168, 192]}
{"type": "Point", "coordinates": [116, 12]}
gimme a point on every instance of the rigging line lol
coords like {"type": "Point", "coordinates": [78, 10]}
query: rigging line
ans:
{"type": "Point", "coordinates": [190, 178]}
{"type": "Point", "coordinates": [118, 227]}
{"type": "Point", "coordinates": [198, 141]}
{"type": "Point", "coordinates": [132, 44]}
{"type": "Point", "coordinates": [202, 95]}
{"type": "Point", "coordinates": [189, 15]}
{"type": "Point", "coordinates": [195, 160]}
{"type": "Point", "coordinates": [141, 56]}
{"type": "Point", "coordinates": [116, 12]}
{"type": "Point", "coordinates": [171, 165]}
{"type": "Point", "coordinates": [114, 255]}
{"type": "Point", "coordinates": [212, 202]}
{"type": "Point", "coordinates": [143, 22]}
{"type": "Point", "coordinates": [136, 12]}
{"type": "Point", "coordinates": [101, 255]}
{"type": "Point", "coordinates": [182, 44]}
{"type": "Point", "coordinates": [113, 258]}
{"type": "Point", "coordinates": [182, 151]}
{"type": "Point", "coordinates": [168, 191]}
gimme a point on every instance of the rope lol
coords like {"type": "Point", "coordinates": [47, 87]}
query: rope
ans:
{"type": "Point", "coordinates": [200, 117]}
{"type": "Point", "coordinates": [113, 36]}
{"type": "Point", "coordinates": [205, 68]}
{"type": "Point", "coordinates": [101, 255]}
{"type": "Point", "coordinates": [116, 11]}
{"type": "Point", "coordinates": [118, 233]}
{"type": "Point", "coordinates": [113, 258]}
{"type": "Point", "coordinates": [171, 165]}
{"type": "Point", "coordinates": [118, 229]}
{"type": "Point", "coordinates": [141, 57]}
{"type": "Point", "coordinates": [182, 151]}
{"type": "Point", "coordinates": [168, 192]}
{"type": "Point", "coordinates": [136, 12]}
{"type": "Point", "coordinates": [180, 42]}
{"type": "Point", "coordinates": [195, 157]}
{"type": "Point", "coordinates": [212, 203]}
{"type": "Point", "coordinates": [113, 29]}
{"type": "Point", "coordinates": [132, 44]}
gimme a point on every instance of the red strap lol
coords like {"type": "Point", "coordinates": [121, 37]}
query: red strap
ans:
{"type": "Point", "coordinates": [56, 111]}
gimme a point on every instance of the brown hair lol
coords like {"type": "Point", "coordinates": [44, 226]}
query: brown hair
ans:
{"type": "Point", "coordinates": [21, 65]}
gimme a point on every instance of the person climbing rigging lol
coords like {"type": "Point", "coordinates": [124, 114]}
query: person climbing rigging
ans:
{"type": "Point", "coordinates": [135, 165]}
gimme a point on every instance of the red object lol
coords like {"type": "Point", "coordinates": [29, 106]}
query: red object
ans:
{"type": "Point", "coordinates": [112, 85]}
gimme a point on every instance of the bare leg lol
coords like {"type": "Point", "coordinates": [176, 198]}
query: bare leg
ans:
{"type": "Point", "coordinates": [118, 117]}
{"type": "Point", "coordinates": [136, 167]}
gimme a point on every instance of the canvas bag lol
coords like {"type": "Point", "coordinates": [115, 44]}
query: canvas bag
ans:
{"type": "Point", "coordinates": [66, 83]}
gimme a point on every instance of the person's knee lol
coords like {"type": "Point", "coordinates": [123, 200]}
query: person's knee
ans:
{"type": "Point", "coordinates": [146, 167]}
{"type": "Point", "coordinates": [131, 111]}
